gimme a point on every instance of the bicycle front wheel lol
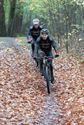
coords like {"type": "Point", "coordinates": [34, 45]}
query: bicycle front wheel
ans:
{"type": "Point", "coordinates": [47, 77]}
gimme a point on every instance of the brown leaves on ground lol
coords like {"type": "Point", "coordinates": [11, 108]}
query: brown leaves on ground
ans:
{"type": "Point", "coordinates": [23, 93]}
{"type": "Point", "coordinates": [71, 89]}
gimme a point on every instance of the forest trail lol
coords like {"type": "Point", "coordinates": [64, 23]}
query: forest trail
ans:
{"type": "Point", "coordinates": [23, 93]}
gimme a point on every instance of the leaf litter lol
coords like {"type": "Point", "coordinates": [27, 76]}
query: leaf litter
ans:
{"type": "Point", "coordinates": [23, 94]}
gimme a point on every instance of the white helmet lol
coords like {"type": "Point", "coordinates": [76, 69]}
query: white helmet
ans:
{"type": "Point", "coordinates": [35, 21]}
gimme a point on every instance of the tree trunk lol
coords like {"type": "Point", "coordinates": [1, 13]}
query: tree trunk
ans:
{"type": "Point", "coordinates": [11, 17]}
{"type": "Point", "coordinates": [17, 24]}
{"type": "Point", "coordinates": [2, 19]}
{"type": "Point", "coordinates": [66, 27]}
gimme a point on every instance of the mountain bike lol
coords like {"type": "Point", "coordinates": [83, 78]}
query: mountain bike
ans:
{"type": "Point", "coordinates": [45, 70]}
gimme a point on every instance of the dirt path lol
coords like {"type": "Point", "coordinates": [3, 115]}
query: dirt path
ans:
{"type": "Point", "coordinates": [50, 108]}
{"type": "Point", "coordinates": [23, 93]}
{"type": "Point", "coordinates": [7, 42]}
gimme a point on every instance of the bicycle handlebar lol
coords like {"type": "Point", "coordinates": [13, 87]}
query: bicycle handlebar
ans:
{"type": "Point", "coordinates": [50, 57]}
{"type": "Point", "coordinates": [47, 57]}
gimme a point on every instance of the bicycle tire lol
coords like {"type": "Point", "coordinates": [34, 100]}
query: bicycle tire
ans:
{"type": "Point", "coordinates": [47, 79]}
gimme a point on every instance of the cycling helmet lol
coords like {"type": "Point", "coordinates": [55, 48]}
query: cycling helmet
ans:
{"type": "Point", "coordinates": [35, 21]}
{"type": "Point", "coordinates": [44, 31]}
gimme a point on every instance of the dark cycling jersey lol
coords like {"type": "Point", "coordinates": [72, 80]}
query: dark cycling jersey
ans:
{"type": "Point", "coordinates": [34, 33]}
{"type": "Point", "coordinates": [46, 45]}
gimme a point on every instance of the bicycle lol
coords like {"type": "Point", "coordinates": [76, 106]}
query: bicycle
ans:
{"type": "Point", "coordinates": [45, 69]}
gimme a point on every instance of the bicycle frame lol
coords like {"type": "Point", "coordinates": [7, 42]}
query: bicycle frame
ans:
{"type": "Point", "coordinates": [46, 66]}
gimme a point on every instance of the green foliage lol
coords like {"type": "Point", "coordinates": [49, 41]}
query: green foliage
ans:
{"type": "Point", "coordinates": [58, 15]}
{"type": "Point", "coordinates": [7, 10]}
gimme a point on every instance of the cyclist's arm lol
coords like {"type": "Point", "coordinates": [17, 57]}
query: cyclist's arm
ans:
{"type": "Point", "coordinates": [29, 33]}
{"type": "Point", "coordinates": [54, 45]}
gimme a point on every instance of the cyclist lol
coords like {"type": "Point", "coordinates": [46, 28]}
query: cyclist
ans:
{"type": "Point", "coordinates": [34, 33]}
{"type": "Point", "coordinates": [44, 43]}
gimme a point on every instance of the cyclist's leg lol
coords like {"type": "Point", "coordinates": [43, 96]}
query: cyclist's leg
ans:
{"type": "Point", "coordinates": [40, 60]}
{"type": "Point", "coordinates": [32, 49]}
{"type": "Point", "coordinates": [41, 66]}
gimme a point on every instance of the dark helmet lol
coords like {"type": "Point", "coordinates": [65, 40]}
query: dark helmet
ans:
{"type": "Point", "coordinates": [44, 31]}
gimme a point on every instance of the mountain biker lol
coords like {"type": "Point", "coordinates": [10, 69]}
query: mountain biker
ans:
{"type": "Point", "coordinates": [34, 33]}
{"type": "Point", "coordinates": [44, 43]}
